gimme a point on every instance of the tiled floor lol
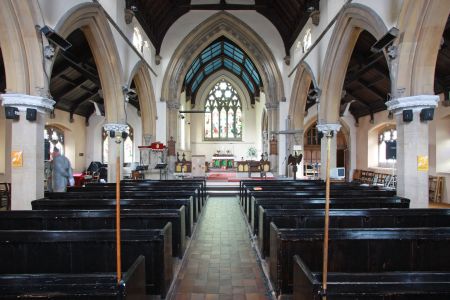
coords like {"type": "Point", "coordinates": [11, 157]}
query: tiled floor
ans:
{"type": "Point", "coordinates": [220, 262]}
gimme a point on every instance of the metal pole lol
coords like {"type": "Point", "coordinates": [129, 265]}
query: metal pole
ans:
{"type": "Point", "coordinates": [118, 248]}
{"type": "Point", "coordinates": [327, 213]}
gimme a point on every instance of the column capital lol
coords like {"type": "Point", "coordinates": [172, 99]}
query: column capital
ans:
{"type": "Point", "coordinates": [173, 104]}
{"type": "Point", "coordinates": [328, 128]}
{"type": "Point", "coordinates": [116, 127]}
{"type": "Point", "coordinates": [23, 101]}
{"type": "Point", "coordinates": [416, 103]}
{"type": "Point", "coordinates": [272, 105]}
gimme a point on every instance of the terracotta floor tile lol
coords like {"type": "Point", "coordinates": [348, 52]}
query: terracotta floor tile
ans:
{"type": "Point", "coordinates": [220, 263]}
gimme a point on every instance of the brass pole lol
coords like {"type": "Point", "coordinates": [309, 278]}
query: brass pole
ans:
{"type": "Point", "coordinates": [327, 213]}
{"type": "Point", "coordinates": [118, 248]}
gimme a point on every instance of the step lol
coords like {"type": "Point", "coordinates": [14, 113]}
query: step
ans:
{"type": "Point", "coordinates": [223, 190]}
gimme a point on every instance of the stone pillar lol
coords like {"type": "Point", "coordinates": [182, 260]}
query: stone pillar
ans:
{"type": "Point", "coordinates": [273, 154]}
{"type": "Point", "coordinates": [171, 155]}
{"type": "Point", "coordinates": [173, 108]}
{"type": "Point", "coordinates": [115, 148]}
{"type": "Point", "coordinates": [272, 114]}
{"type": "Point", "coordinates": [27, 146]}
{"type": "Point", "coordinates": [327, 129]}
{"type": "Point", "coordinates": [412, 147]}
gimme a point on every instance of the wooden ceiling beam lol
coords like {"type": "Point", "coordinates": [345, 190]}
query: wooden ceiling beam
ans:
{"type": "Point", "coordinates": [80, 69]}
{"type": "Point", "coordinates": [82, 100]}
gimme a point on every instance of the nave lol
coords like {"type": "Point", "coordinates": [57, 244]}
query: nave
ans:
{"type": "Point", "coordinates": [220, 262]}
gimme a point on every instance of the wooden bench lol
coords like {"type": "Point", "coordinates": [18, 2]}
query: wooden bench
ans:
{"type": "Point", "coordinates": [96, 204]}
{"type": "Point", "coordinates": [87, 251]}
{"type": "Point", "coordinates": [358, 250]}
{"type": "Point", "coordinates": [361, 202]}
{"type": "Point", "coordinates": [166, 193]}
{"type": "Point", "coordinates": [76, 286]}
{"type": "Point", "coordinates": [99, 219]}
{"type": "Point", "coordinates": [347, 218]}
{"type": "Point", "coordinates": [383, 285]}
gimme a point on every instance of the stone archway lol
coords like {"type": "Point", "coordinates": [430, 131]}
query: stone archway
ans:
{"type": "Point", "coordinates": [422, 24]}
{"type": "Point", "coordinates": [220, 24]}
{"type": "Point", "coordinates": [354, 19]}
{"type": "Point", "coordinates": [147, 103]}
{"type": "Point", "coordinates": [21, 48]}
{"type": "Point", "coordinates": [91, 20]}
{"type": "Point", "coordinates": [299, 95]}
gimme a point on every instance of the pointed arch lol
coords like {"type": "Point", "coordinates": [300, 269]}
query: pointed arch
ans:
{"type": "Point", "coordinates": [21, 48]}
{"type": "Point", "coordinates": [147, 103]}
{"type": "Point", "coordinates": [222, 24]}
{"type": "Point", "coordinates": [91, 20]}
{"type": "Point", "coordinates": [423, 23]}
{"type": "Point", "coordinates": [303, 78]}
{"type": "Point", "coordinates": [354, 19]}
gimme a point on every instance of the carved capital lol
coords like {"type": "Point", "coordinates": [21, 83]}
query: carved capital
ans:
{"type": "Point", "coordinates": [173, 104]}
{"type": "Point", "coordinates": [328, 129]}
{"type": "Point", "coordinates": [416, 103]}
{"type": "Point", "coordinates": [22, 102]}
{"type": "Point", "coordinates": [116, 127]}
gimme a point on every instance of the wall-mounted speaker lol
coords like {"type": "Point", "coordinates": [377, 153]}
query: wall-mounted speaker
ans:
{"type": "Point", "coordinates": [31, 114]}
{"type": "Point", "coordinates": [407, 115]}
{"type": "Point", "coordinates": [427, 114]}
{"type": "Point", "coordinates": [11, 112]}
{"type": "Point", "coordinates": [112, 134]}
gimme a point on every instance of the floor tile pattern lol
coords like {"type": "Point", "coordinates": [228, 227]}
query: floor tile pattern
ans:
{"type": "Point", "coordinates": [220, 262]}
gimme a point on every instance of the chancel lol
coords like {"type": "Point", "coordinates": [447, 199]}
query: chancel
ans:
{"type": "Point", "coordinates": [225, 149]}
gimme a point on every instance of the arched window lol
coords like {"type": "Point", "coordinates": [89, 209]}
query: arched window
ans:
{"type": "Point", "coordinates": [127, 146]}
{"type": "Point", "coordinates": [223, 114]}
{"type": "Point", "coordinates": [312, 136]}
{"type": "Point", "coordinates": [387, 147]}
{"type": "Point", "coordinates": [53, 137]}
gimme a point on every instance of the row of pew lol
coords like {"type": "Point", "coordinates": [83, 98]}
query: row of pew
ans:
{"type": "Point", "coordinates": [379, 248]}
{"type": "Point", "coordinates": [65, 247]}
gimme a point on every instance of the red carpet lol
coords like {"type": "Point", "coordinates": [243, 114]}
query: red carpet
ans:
{"type": "Point", "coordinates": [235, 177]}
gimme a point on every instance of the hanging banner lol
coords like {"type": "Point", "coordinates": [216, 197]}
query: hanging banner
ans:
{"type": "Point", "coordinates": [16, 159]}
{"type": "Point", "coordinates": [422, 163]}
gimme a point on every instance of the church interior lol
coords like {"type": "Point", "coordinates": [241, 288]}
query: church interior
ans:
{"type": "Point", "coordinates": [225, 149]}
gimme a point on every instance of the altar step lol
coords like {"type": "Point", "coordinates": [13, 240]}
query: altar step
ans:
{"type": "Point", "coordinates": [222, 189]}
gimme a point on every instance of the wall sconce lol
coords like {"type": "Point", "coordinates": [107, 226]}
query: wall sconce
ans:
{"type": "Point", "coordinates": [116, 131]}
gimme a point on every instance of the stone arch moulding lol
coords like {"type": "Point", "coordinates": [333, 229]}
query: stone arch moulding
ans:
{"type": "Point", "coordinates": [147, 103]}
{"type": "Point", "coordinates": [91, 20]}
{"type": "Point", "coordinates": [354, 19]}
{"type": "Point", "coordinates": [303, 78]}
{"type": "Point", "coordinates": [21, 48]}
{"type": "Point", "coordinates": [222, 24]}
{"type": "Point", "coordinates": [422, 24]}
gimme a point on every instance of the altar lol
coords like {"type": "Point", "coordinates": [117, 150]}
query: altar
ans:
{"type": "Point", "coordinates": [223, 161]}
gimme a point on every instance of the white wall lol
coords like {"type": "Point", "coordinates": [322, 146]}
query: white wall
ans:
{"type": "Point", "coordinates": [2, 141]}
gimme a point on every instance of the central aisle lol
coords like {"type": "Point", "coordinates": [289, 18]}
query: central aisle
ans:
{"type": "Point", "coordinates": [221, 263]}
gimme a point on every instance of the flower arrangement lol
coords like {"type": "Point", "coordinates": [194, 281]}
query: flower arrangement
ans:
{"type": "Point", "coordinates": [251, 152]}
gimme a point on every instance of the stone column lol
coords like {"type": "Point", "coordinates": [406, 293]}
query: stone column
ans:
{"type": "Point", "coordinates": [115, 148]}
{"type": "Point", "coordinates": [171, 155]}
{"type": "Point", "coordinates": [327, 129]}
{"type": "Point", "coordinates": [272, 114]}
{"type": "Point", "coordinates": [412, 146]}
{"type": "Point", "coordinates": [173, 108]}
{"type": "Point", "coordinates": [27, 146]}
{"type": "Point", "coordinates": [273, 154]}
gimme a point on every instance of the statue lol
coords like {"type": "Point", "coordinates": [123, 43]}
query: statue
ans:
{"type": "Point", "coordinates": [294, 160]}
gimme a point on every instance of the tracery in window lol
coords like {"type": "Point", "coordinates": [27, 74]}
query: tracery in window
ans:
{"type": "Point", "coordinates": [223, 113]}
{"type": "Point", "coordinates": [127, 146]}
{"type": "Point", "coordinates": [53, 137]}
{"type": "Point", "coordinates": [387, 146]}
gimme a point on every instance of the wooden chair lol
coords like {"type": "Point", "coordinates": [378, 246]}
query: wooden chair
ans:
{"type": "Point", "coordinates": [5, 195]}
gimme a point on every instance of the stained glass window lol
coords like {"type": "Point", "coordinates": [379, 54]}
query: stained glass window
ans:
{"type": "Point", "coordinates": [223, 114]}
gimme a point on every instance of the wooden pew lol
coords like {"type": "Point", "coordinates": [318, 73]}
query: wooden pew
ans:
{"type": "Point", "coordinates": [87, 251]}
{"type": "Point", "coordinates": [99, 219]}
{"type": "Point", "coordinates": [370, 286]}
{"type": "Point", "coordinates": [96, 204]}
{"type": "Point", "coordinates": [76, 286]}
{"type": "Point", "coordinates": [336, 191]}
{"type": "Point", "coordinates": [358, 250]}
{"type": "Point", "coordinates": [347, 218]}
{"type": "Point", "coordinates": [136, 194]}
{"type": "Point", "coordinates": [362, 202]}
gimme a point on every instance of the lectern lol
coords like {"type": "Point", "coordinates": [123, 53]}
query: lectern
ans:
{"type": "Point", "coordinates": [161, 167]}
